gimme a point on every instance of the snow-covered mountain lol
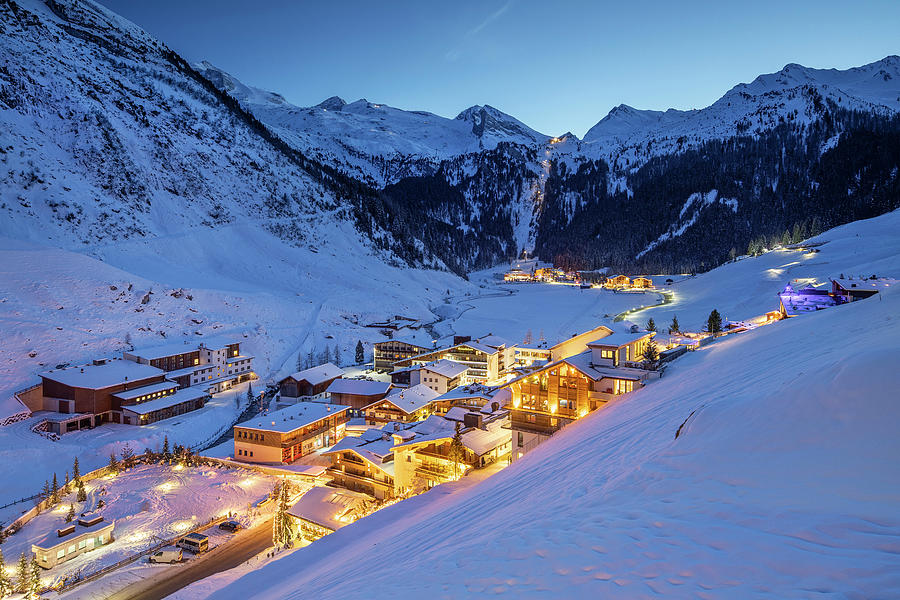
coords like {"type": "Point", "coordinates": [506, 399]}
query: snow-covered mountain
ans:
{"type": "Point", "coordinates": [795, 94]}
{"type": "Point", "coordinates": [374, 141]}
{"type": "Point", "coordinates": [631, 164]}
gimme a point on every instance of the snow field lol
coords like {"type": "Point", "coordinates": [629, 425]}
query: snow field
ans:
{"type": "Point", "coordinates": [148, 503]}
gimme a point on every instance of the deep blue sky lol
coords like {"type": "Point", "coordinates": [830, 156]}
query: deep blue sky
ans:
{"type": "Point", "coordinates": [557, 66]}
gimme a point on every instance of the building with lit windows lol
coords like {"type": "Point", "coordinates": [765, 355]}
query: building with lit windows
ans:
{"type": "Point", "coordinates": [390, 351]}
{"type": "Point", "coordinates": [283, 436]}
{"type": "Point", "coordinates": [405, 405]}
{"type": "Point", "coordinates": [214, 366]}
{"type": "Point", "coordinates": [73, 539]}
{"type": "Point", "coordinates": [545, 400]}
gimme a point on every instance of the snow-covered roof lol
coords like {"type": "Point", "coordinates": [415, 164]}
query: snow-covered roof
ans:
{"type": "Point", "coordinates": [52, 540]}
{"type": "Point", "coordinates": [293, 417]}
{"type": "Point", "coordinates": [361, 387]}
{"type": "Point", "coordinates": [179, 397]}
{"type": "Point", "coordinates": [481, 441]}
{"type": "Point", "coordinates": [164, 350]}
{"type": "Point", "coordinates": [866, 284]}
{"type": "Point", "coordinates": [475, 345]}
{"type": "Point", "coordinates": [239, 358]}
{"type": "Point", "coordinates": [583, 363]}
{"type": "Point", "coordinates": [411, 399]}
{"type": "Point", "coordinates": [320, 374]}
{"type": "Point", "coordinates": [447, 368]}
{"type": "Point", "coordinates": [620, 339]}
{"type": "Point", "coordinates": [326, 506]}
{"type": "Point", "coordinates": [113, 372]}
{"type": "Point", "coordinates": [145, 390]}
{"type": "Point", "coordinates": [494, 341]}
{"type": "Point", "coordinates": [472, 390]}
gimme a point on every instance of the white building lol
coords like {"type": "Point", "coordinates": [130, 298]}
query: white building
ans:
{"type": "Point", "coordinates": [214, 365]}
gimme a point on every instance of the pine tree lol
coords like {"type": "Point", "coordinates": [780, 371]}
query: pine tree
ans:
{"type": "Point", "coordinates": [34, 583]}
{"type": "Point", "coordinates": [282, 533]}
{"type": "Point", "coordinates": [65, 487]}
{"type": "Point", "coordinates": [127, 457]}
{"type": "Point", "coordinates": [45, 493]}
{"type": "Point", "coordinates": [651, 355]}
{"type": "Point", "coordinates": [166, 456]}
{"type": "Point", "coordinates": [714, 322]}
{"type": "Point", "coordinates": [326, 355]}
{"type": "Point", "coordinates": [81, 496]}
{"type": "Point", "coordinates": [651, 325]}
{"type": "Point", "coordinates": [76, 474]}
{"type": "Point", "coordinates": [360, 353]}
{"type": "Point", "coordinates": [70, 516]}
{"type": "Point", "coordinates": [113, 463]}
{"type": "Point", "coordinates": [5, 583]}
{"type": "Point", "coordinates": [250, 397]}
{"type": "Point", "coordinates": [674, 327]}
{"type": "Point", "coordinates": [54, 491]}
{"type": "Point", "coordinates": [457, 450]}
{"type": "Point", "coordinates": [300, 364]}
{"type": "Point", "coordinates": [23, 579]}
{"type": "Point", "coordinates": [311, 358]}
{"type": "Point", "coordinates": [336, 356]}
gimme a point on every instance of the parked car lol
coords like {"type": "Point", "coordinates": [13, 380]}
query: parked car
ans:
{"type": "Point", "coordinates": [196, 543]}
{"type": "Point", "coordinates": [231, 526]}
{"type": "Point", "coordinates": [166, 555]}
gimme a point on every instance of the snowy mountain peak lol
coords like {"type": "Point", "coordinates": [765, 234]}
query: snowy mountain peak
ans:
{"type": "Point", "coordinates": [488, 121]}
{"type": "Point", "coordinates": [333, 103]}
{"type": "Point", "coordinates": [624, 120]}
{"type": "Point", "coordinates": [245, 94]}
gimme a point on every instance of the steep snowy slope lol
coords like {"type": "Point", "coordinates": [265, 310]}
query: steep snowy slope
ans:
{"type": "Point", "coordinates": [762, 466]}
{"type": "Point", "coordinates": [376, 141]}
{"type": "Point", "coordinates": [107, 135]}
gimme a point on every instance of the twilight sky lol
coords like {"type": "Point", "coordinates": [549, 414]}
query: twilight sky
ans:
{"type": "Point", "coordinates": [557, 66]}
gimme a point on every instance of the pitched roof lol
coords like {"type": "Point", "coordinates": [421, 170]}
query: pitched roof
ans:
{"type": "Point", "coordinates": [327, 506]}
{"type": "Point", "coordinates": [619, 339]}
{"type": "Point", "coordinates": [447, 368]}
{"type": "Point", "coordinates": [361, 387]}
{"type": "Point", "coordinates": [320, 374]}
{"type": "Point", "coordinates": [411, 399]}
{"type": "Point", "coordinates": [293, 417]}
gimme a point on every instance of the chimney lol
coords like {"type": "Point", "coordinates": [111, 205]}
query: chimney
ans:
{"type": "Point", "coordinates": [472, 420]}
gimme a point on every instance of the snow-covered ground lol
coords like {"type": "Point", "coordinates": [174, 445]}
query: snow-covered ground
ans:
{"type": "Point", "coordinates": [147, 503]}
{"type": "Point", "coordinates": [782, 480]}
{"type": "Point", "coordinates": [749, 287]}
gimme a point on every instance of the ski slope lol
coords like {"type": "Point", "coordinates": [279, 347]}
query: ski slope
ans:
{"type": "Point", "coordinates": [782, 483]}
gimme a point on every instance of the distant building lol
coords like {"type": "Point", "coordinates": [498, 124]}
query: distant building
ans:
{"type": "Point", "coordinates": [73, 539]}
{"type": "Point", "coordinates": [324, 510]}
{"type": "Point", "coordinates": [309, 383]}
{"type": "Point", "coordinates": [357, 393]}
{"type": "Point", "coordinates": [388, 352]}
{"type": "Point", "coordinates": [485, 358]}
{"type": "Point", "coordinates": [441, 375]}
{"type": "Point", "coordinates": [619, 281]}
{"type": "Point", "coordinates": [404, 405]}
{"type": "Point", "coordinates": [806, 300]}
{"type": "Point", "coordinates": [620, 349]}
{"type": "Point", "coordinates": [848, 290]}
{"type": "Point", "coordinates": [578, 343]}
{"type": "Point", "coordinates": [642, 283]}
{"type": "Point", "coordinates": [214, 366]}
{"type": "Point", "coordinates": [517, 275]}
{"type": "Point", "coordinates": [112, 391]}
{"type": "Point", "coordinates": [283, 436]}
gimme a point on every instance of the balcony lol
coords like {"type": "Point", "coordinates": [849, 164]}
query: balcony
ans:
{"type": "Point", "coordinates": [434, 471]}
{"type": "Point", "coordinates": [364, 479]}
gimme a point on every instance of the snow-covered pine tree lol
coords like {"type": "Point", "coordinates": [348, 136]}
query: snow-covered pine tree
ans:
{"type": "Point", "coordinates": [5, 583]}
{"type": "Point", "coordinates": [54, 491]}
{"type": "Point", "coordinates": [281, 526]}
{"type": "Point", "coordinates": [326, 355]}
{"type": "Point", "coordinates": [70, 516]}
{"type": "Point", "coordinates": [714, 322]}
{"type": "Point", "coordinates": [457, 450]}
{"type": "Point", "coordinates": [113, 466]}
{"type": "Point", "coordinates": [65, 487]}
{"type": "Point", "coordinates": [300, 363]}
{"type": "Point", "coordinates": [45, 493]}
{"type": "Point", "coordinates": [360, 353]}
{"type": "Point", "coordinates": [34, 582]}
{"type": "Point", "coordinates": [651, 325]}
{"type": "Point", "coordinates": [336, 356]}
{"type": "Point", "coordinates": [166, 455]}
{"type": "Point", "coordinates": [81, 496]}
{"type": "Point", "coordinates": [23, 577]}
{"type": "Point", "coordinates": [651, 355]}
{"type": "Point", "coordinates": [250, 397]}
{"type": "Point", "coordinates": [674, 327]}
{"type": "Point", "coordinates": [76, 474]}
{"type": "Point", "coordinates": [127, 457]}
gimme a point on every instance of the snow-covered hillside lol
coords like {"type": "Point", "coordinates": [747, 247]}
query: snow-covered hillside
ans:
{"type": "Point", "coordinates": [761, 466]}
